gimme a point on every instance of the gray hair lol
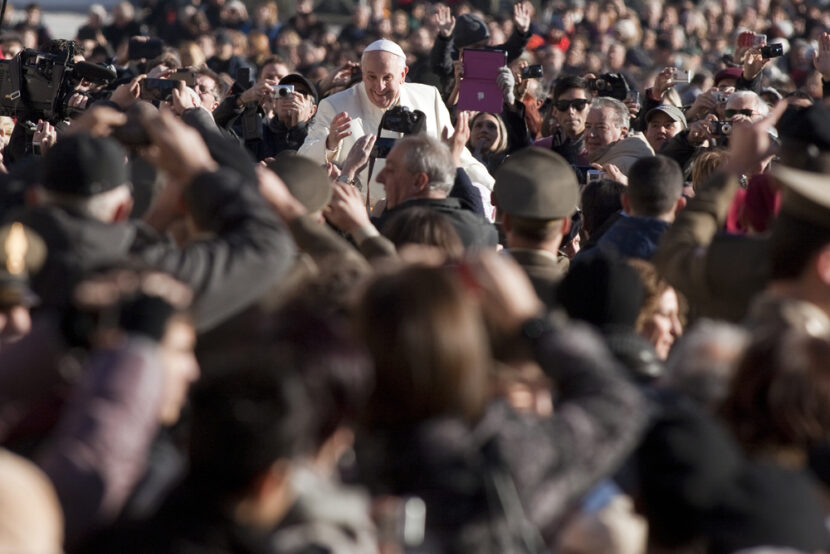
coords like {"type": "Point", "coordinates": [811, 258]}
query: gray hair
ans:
{"type": "Point", "coordinates": [760, 106]}
{"type": "Point", "coordinates": [702, 363]}
{"type": "Point", "coordinates": [100, 206]}
{"type": "Point", "coordinates": [621, 115]}
{"type": "Point", "coordinates": [425, 154]}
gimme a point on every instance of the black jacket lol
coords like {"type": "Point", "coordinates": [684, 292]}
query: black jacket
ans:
{"type": "Point", "coordinates": [247, 251]}
{"type": "Point", "coordinates": [472, 229]}
{"type": "Point", "coordinates": [498, 486]}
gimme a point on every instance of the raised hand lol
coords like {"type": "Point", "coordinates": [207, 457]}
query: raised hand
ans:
{"type": "Point", "coordinates": [445, 21]}
{"type": "Point", "coordinates": [358, 156]}
{"type": "Point", "coordinates": [458, 141]}
{"type": "Point", "coordinates": [821, 57]}
{"type": "Point", "coordinates": [338, 130]}
{"type": "Point", "coordinates": [754, 63]}
{"type": "Point", "coordinates": [522, 14]}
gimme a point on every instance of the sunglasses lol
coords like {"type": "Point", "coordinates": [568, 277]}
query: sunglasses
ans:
{"type": "Point", "coordinates": [564, 105]}
{"type": "Point", "coordinates": [733, 113]}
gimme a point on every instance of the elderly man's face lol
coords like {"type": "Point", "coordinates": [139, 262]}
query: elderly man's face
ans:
{"type": "Point", "coordinates": [399, 183]}
{"type": "Point", "coordinates": [601, 129]}
{"type": "Point", "coordinates": [741, 108]}
{"type": "Point", "coordinates": [661, 127]}
{"type": "Point", "coordinates": [383, 75]}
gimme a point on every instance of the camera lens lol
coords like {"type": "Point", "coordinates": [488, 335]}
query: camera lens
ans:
{"type": "Point", "coordinates": [726, 128]}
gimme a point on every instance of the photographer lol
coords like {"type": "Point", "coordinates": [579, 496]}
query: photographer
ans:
{"type": "Point", "coordinates": [271, 117]}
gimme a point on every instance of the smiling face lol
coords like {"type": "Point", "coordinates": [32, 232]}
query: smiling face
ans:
{"type": "Point", "coordinates": [484, 135]}
{"type": "Point", "coordinates": [663, 327]}
{"type": "Point", "coordinates": [383, 75]}
{"type": "Point", "coordinates": [601, 129]}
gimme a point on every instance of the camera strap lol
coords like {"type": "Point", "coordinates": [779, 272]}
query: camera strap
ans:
{"type": "Point", "coordinates": [15, 75]}
{"type": "Point", "coordinates": [372, 165]}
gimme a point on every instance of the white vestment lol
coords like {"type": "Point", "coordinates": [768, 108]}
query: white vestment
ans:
{"type": "Point", "coordinates": [365, 120]}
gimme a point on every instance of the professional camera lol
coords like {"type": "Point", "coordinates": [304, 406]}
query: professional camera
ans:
{"type": "Point", "coordinates": [610, 84]}
{"type": "Point", "coordinates": [38, 85]}
{"type": "Point", "coordinates": [403, 120]}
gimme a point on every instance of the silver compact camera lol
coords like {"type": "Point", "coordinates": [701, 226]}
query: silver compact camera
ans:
{"type": "Point", "coordinates": [283, 91]}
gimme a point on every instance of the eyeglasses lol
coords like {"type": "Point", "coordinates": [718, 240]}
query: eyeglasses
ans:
{"type": "Point", "coordinates": [732, 113]}
{"type": "Point", "coordinates": [564, 105]}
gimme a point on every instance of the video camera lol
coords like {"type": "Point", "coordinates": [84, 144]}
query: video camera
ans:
{"type": "Point", "coordinates": [38, 85]}
{"type": "Point", "coordinates": [613, 85]}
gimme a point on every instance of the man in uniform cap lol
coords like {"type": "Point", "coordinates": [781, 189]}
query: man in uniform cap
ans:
{"type": "Point", "coordinates": [348, 115]}
{"type": "Point", "coordinates": [536, 193]}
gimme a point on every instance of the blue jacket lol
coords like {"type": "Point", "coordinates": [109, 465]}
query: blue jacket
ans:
{"type": "Point", "coordinates": [634, 237]}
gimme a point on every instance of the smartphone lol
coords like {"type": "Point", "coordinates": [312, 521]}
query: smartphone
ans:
{"type": "Point", "coordinates": [774, 50]}
{"type": "Point", "coordinates": [144, 49]}
{"type": "Point", "coordinates": [532, 72]}
{"type": "Point", "coordinates": [633, 96]}
{"type": "Point", "coordinates": [593, 175]}
{"type": "Point", "coordinates": [681, 76]}
{"type": "Point", "coordinates": [185, 75]}
{"type": "Point", "coordinates": [158, 89]}
{"type": "Point", "coordinates": [382, 147]}
{"type": "Point", "coordinates": [746, 39]}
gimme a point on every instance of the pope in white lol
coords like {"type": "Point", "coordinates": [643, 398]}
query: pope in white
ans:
{"type": "Point", "coordinates": [348, 115]}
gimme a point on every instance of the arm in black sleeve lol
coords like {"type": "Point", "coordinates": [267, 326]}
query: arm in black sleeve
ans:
{"type": "Point", "coordinates": [515, 45]}
{"type": "Point", "coordinates": [518, 135]}
{"type": "Point", "coordinates": [648, 104]}
{"type": "Point", "coordinates": [227, 112]}
{"type": "Point", "coordinates": [745, 84]}
{"type": "Point", "coordinates": [248, 249]}
{"type": "Point", "coordinates": [440, 57]}
{"type": "Point", "coordinates": [679, 149]}
{"type": "Point", "coordinates": [466, 192]}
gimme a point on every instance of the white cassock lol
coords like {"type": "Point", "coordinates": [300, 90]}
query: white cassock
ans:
{"type": "Point", "coordinates": [365, 120]}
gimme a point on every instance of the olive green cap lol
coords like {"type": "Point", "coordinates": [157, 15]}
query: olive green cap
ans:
{"type": "Point", "coordinates": [536, 183]}
{"type": "Point", "coordinates": [805, 195]}
{"type": "Point", "coordinates": [306, 180]}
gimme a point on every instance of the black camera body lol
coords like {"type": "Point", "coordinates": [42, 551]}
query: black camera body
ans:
{"type": "Point", "coordinates": [721, 128]}
{"type": "Point", "coordinates": [38, 85]}
{"type": "Point", "coordinates": [532, 72]}
{"type": "Point", "coordinates": [403, 120]}
{"type": "Point", "coordinates": [775, 50]}
{"type": "Point", "coordinates": [613, 85]}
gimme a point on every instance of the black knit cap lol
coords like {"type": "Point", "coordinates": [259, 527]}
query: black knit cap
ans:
{"type": "Point", "coordinates": [84, 165]}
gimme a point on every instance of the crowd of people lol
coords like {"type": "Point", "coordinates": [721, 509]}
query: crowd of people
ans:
{"type": "Point", "coordinates": [269, 285]}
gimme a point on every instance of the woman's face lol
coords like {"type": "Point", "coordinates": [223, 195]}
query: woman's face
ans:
{"type": "Point", "coordinates": [485, 133]}
{"type": "Point", "coordinates": [664, 327]}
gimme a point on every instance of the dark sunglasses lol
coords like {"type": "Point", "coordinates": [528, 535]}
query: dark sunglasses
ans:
{"type": "Point", "coordinates": [564, 105]}
{"type": "Point", "coordinates": [733, 113]}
